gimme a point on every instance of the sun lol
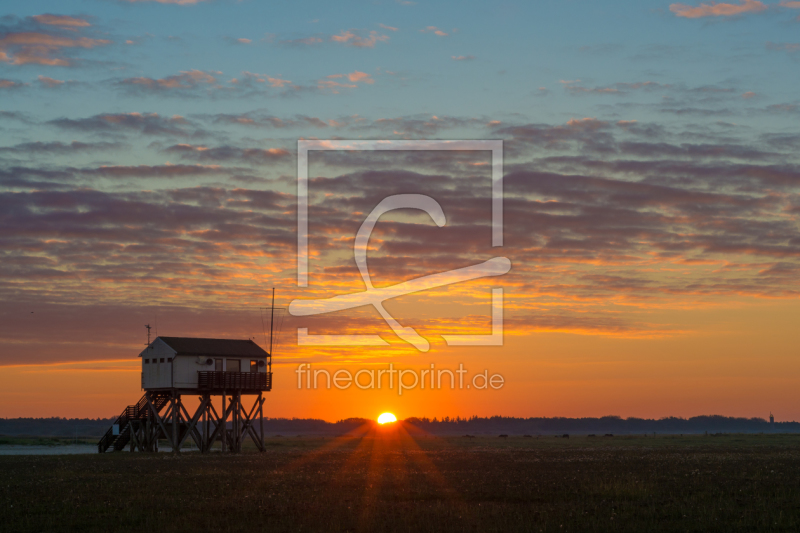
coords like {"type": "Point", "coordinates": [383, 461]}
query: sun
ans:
{"type": "Point", "coordinates": [386, 418]}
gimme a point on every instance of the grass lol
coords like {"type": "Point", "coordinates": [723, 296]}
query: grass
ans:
{"type": "Point", "coordinates": [391, 481]}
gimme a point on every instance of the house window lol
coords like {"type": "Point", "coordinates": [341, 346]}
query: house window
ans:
{"type": "Point", "coordinates": [253, 365]}
{"type": "Point", "coordinates": [162, 359]}
{"type": "Point", "coordinates": [234, 365]}
{"type": "Point", "coordinates": [169, 359]}
{"type": "Point", "coordinates": [218, 365]}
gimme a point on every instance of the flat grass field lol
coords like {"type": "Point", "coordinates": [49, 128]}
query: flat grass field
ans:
{"type": "Point", "coordinates": [388, 480]}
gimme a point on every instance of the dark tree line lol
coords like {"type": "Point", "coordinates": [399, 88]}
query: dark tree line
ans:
{"type": "Point", "coordinates": [602, 425]}
{"type": "Point", "coordinates": [87, 427]}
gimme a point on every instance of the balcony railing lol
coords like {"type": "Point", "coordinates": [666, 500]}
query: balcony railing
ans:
{"type": "Point", "coordinates": [230, 381]}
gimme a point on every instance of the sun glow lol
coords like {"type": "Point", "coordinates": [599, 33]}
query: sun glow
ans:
{"type": "Point", "coordinates": [386, 418]}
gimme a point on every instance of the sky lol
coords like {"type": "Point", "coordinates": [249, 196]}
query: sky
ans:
{"type": "Point", "coordinates": [149, 175]}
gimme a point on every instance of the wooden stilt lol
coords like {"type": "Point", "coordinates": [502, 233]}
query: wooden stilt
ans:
{"type": "Point", "coordinates": [261, 420]}
{"type": "Point", "coordinates": [224, 423]}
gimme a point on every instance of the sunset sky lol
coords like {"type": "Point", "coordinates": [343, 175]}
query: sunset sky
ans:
{"type": "Point", "coordinates": [148, 174]}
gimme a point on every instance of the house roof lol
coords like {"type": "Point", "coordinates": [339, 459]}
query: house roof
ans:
{"type": "Point", "coordinates": [214, 347]}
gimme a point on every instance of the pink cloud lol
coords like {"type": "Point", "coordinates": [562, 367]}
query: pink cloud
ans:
{"type": "Point", "coordinates": [333, 85]}
{"type": "Point", "coordinates": [185, 80]}
{"type": "Point", "coordinates": [61, 20]}
{"type": "Point", "coordinates": [354, 78]}
{"type": "Point", "coordinates": [41, 48]}
{"type": "Point", "coordinates": [785, 47]}
{"type": "Point", "coordinates": [792, 4]}
{"type": "Point", "coordinates": [714, 9]}
{"type": "Point", "coordinates": [385, 27]}
{"type": "Point", "coordinates": [748, 95]}
{"type": "Point", "coordinates": [49, 82]}
{"type": "Point", "coordinates": [351, 38]}
{"type": "Point", "coordinates": [360, 77]}
{"type": "Point", "coordinates": [277, 82]}
{"type": "Point", "coordinates": [9, 84]}
{"type": "Point", "coordinates": [435, 31]}
{"type": "Point", "coordinates": [244, 41]}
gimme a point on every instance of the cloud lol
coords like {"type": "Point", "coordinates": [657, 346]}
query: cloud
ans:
{"type": "Point", "coordinates": [463, 58]}
{"type": "Point", "coordinates": [748, 95]}
{"type": "Point", "coordinates": [155, 171]}
{"type": "Point", "coordinates": [434, 30]}
{"type": "Point", "coordinates": [714, 9]}
{"type": "Point", "coordinates": [604, 234]}
{"type": "Point", "coordinates": [61, 20]}
{"type": "Point", "coordinates": [572, 87]}
{"type": "Point", "coordinates": [353, 38]}
{"type": "Point", "coordinates": [49, 82]}
{"type": "Point", "coordinates": [187, 79]}
{"type": "Point", "coordinates": [255, 78]}
{"type": "Point", "coordinates": [355, 77]}
{"type": "Point", "coordinates": [229, 153]}
{"type": "Point", "coordinates": [277, 82]}
{"type": "Point", "coordinates": [38, 48]}
{"type": "Point", "coordinates": [177, 2]}
{"type": "Point", "coordinates": [360, 77]}
{"type": "Point", "coordinates": [140, 123]}
{"type": "Point", "coordinates": [59, 148]}
{"type": "Point", "coordinates": [14, 115]}
{"type": "Point", "coordinates": [783, 47]}
{"type": "Point", "coordinates": [792, 4]}
{"type": "Point", "coordinates": [305, 41]}
{"type": "Point", "coordinates": [385, 27]}
{"type": "Point", "coordinates": [261, 120]}
{"type": "Point", "coordinates": [588, 123]}
{"type": "Point", "coordinates": [10, 84]}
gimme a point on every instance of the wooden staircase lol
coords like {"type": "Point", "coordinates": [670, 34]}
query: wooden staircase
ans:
{"type": "Point", "coordinates": [129, 420]}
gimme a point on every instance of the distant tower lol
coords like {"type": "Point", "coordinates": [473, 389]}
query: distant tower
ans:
{"type": "Point", "coordinates": [148, 334]}
{"type": "Point", "coordinates": [771, 422]}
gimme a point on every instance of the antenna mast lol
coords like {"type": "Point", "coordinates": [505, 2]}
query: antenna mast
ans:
{"type": "Point", "coordinates": [148, 334]}
{"type": "Point", "coordinates": [271, 319]}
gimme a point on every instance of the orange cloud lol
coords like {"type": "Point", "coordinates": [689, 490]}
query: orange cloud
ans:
{"type": "Point", "coordinates": [715, 9]}
{"type": "Point", "coordinates": [385, 27]}
{"type": "Point", "coordinates": [588, 123]}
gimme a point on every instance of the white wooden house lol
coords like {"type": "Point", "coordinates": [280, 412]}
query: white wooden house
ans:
{"type": "Point", "coordinates": [205, 364]}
